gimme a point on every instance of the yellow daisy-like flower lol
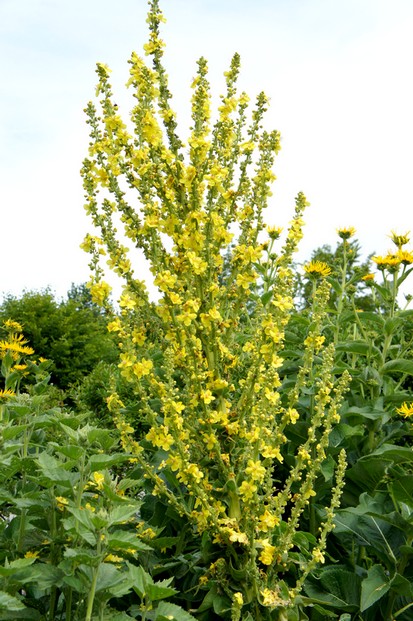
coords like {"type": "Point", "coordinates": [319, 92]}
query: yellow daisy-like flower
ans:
{"type": "Point", "coordinates": [5, 394]}
{"type": "Point", "coordinates": [274, 232]}
{"type": "Point", "coordinates": [12, 325]}
{"type": "Point", "coordinates": [30, 554]}
{"type": "Point", "coordinates": [405, 256]}
{"type": "Point", "coordinates": [317, 269]}
{"type": "Point", "coordinates": [390, 262]}
{"type": "Point", "coordinates": [406, 409]}
{"type": "Point", "coordinates": [346, 233]}
{"type": "Point", "coordinates": [368, 277]}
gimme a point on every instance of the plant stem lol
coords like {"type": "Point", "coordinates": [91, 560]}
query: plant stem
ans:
{"type": "Point", "coordinates": [91, 596]}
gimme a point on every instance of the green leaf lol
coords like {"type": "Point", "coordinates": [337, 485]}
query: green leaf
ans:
{"type": "Point", "coordinates": [139, 579]}
{"type": "Point", "coordinates": [83, 516]}
{"type": "Point", "coordinates": [122, 539]}
{"type": "Point", "coordinates": [160, 590]}
{"type": "Point", "coordinates": [53, 470]}
{"type": "Point", "coordinates": [402, 489]}
{"type": "Point", "coordinates": [399, 365]}
{"type": "Point", "coordinates": [81, 555]}
{"type": "Point", "coordinates": [358, 347]}
{"type": "Point", "coordinates": [266, 297]}
{"type": "Point", "coordinates": [398, 454]}
{"type": "Point", "coordinates": [8, 602]}
{"type": "Point", "coordinates": [101, 461]}
{"type": "Point", "coordinates": [108, 576]}
{"type": "Point", "coordinates": [335, 586]}
{"type": "Point", "coordinates": [122, 513]}
{"type": "Point", "coordinates": [374, 587]}
{"type": "Point", "coordinates": [167, 611]}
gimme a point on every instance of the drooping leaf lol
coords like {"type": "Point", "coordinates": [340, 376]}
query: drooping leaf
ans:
{"type": "Point", "coordinates": [374, 586]}
{"type": "Point", "coordinates": [335, 586]}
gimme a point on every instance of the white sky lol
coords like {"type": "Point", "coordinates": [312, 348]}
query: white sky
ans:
{"type": "Point", "coordinates": [338, 73]}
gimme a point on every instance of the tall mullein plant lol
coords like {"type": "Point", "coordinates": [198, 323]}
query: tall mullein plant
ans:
{"type": "Point", "coordinates": [204, 360]}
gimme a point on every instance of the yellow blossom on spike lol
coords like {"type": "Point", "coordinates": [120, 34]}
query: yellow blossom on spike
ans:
{"type": "Point", "coordinates": [267, 553]}
{"type": "Point", "coordinates": [98, 479]}
{"type": "Point", "coordinates": [99, 292]}
{"type": "Point", "coordinates": [271, 452]}
{"type": "Point", "coordinates": [165, 280]}
{"type": "Point", "coordinates": [255, 470]}
{"type": "Point", "coordinates": [318, 556]}
{"type": "Point", "coordinates": [247, 490]}
{"type": "Point", "coordinates": [238, 598]}
{"type": "Point", "coordinates": [143, 367]}
{"type": "Point", "coordinates": [267, 521]}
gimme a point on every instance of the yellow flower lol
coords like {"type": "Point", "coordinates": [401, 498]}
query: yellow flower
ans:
{"type": "Point", "coordinates": [406, 409]}
{"type": "Point", "coordinates": [318, 556]}
{"type": "Point", "coordinates": [12, 325]}
{"type": "Point", "coordinates": [143, 367]}
{"type": "Point", "coordinates": [160, 438]}
{"type": "Point", "coordinates": [318, 269]}
{"type": "Point", "coordinates": [247, 490]}
{"type": "Point", "coordinates": [112, 558]}
{"type": "Point", "coordinates": [315, 342]}
{"type": "Point", "coordinates": [271, 598]}
{"type": "Point", "coordinates": [271, 452]}
{"type": "Point", "coordinates": [274, 232]}
{"type": "Point", "coordinates": [6, 393]}
{"type": "Point", "coordinates": [207, 396]}
{"type": "Point", "coordinates": [267, 553]}
{"type": "Point", "coordinates": [267, 521]}
{"type": "Point", "coordinates": [368, 277]}
{"type": "Point", "coordinates": [346, 233]}
{"type": "Point", "coordinates": [255, 470]}
{"type": "Point", "coordinates": [405, 256]}
{"type": "Point", "coordinates": [30, 554]}
{"type": "Point", "coordinates": [400, 240]}
{"type": "Point", "coordinates": [61, 502]}
{"type": "Point", "coordinates": [238, 598]}
{"type": "Point", "coordinates": [165, 281]}
{"type": "Point", "coordinates": [98, 479]}
{"type": "Point", "coordinates": [390, 262]}
{"type": "Point", "coordinates": [99, 292]}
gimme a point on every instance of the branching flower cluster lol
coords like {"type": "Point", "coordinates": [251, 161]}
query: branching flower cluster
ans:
{"type": "Point", "coordinates": [205, 359]}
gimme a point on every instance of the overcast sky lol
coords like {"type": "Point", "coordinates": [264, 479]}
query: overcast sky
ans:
{"type": "Point", "coordinates": [338, 73]}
